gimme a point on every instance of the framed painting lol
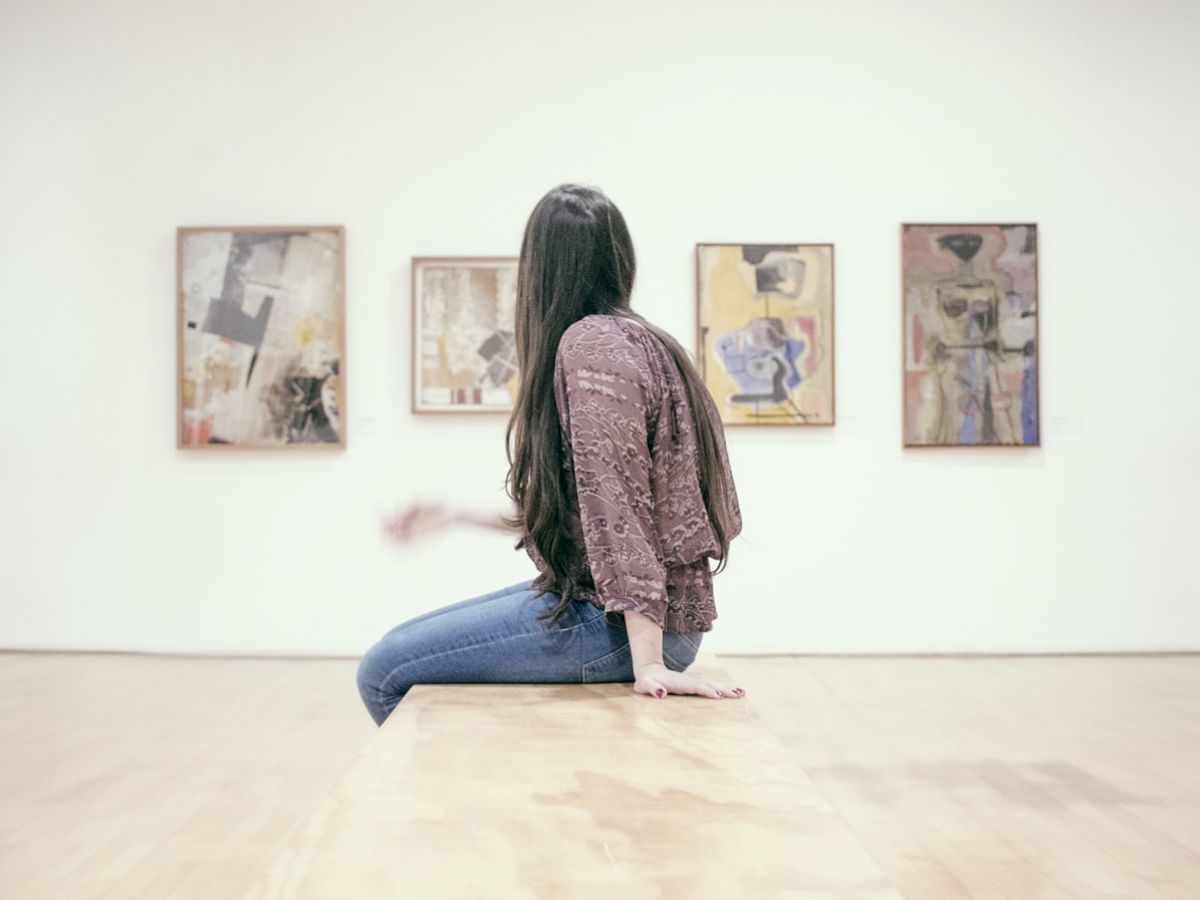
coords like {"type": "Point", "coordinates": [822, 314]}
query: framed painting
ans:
{"type": "Point", "coordinates": [464, 348]}
{"type": "Point", "coordinates": [764, 329]}
{"type": "Point", "coordinates": [261, 336]}
{"type": "Point", "coordinates": [970, 331]}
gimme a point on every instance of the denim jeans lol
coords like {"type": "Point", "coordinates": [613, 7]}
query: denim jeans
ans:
{"type": "Point", "coordinates": [496, 638]}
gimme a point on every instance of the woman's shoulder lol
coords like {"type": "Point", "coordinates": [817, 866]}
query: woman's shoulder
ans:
{"type": "Point", "coordinates": [602, 336]}
{"type": "Point", "coordinates": [616, 346]}
{"type": "Point", "coordinates": [596, 327]}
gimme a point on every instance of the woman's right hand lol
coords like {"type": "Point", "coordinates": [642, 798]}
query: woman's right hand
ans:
{"type": "Point", "coordinates": [659, 681]}
{"type": "Point", "coordinates": [419, 518]}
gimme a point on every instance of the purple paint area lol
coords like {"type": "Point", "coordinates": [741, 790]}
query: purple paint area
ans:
{"type": "Point", "coordinates": [966, 434]}
{"type": "Point", "coordinates": [1029, 411]}
{"type": "Point", "coordinates": [749, 362]}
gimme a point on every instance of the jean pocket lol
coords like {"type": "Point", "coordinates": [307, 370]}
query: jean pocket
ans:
{"type": "Point", "coordinates": [614, 666]}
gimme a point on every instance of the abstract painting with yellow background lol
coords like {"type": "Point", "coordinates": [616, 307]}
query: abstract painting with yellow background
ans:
{"type": "Point", "coordinates": [765, 331]}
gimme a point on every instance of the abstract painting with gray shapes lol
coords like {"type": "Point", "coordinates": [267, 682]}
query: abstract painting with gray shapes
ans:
{"type": "Point", "coordinates": [261, 336]}
{"type": "Point", "coordinates": [970, 335]}
{"type": "Point", "coordinates": [464, 348]}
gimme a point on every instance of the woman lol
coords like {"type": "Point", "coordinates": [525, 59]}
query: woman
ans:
{"type": "Point", "coordinates": [621, 487]}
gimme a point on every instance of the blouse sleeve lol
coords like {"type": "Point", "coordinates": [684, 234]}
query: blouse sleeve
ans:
{"type": "Point", "coordinates": [605, 397]}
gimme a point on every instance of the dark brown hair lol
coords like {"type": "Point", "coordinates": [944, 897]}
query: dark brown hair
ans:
{"type": "Point", "coordinates": [577, 260]}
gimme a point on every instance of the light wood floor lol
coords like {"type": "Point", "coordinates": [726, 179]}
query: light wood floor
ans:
{"type": "Point", "coordinates": [990, 777]}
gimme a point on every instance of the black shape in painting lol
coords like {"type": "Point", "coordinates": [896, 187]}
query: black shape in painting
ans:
{"type": "Point", "coordinates": [964, 246]}
{"type": "Point", "coordinates": [777, 394]}
{"type": "Point", "coordinates": [499, 350]}
{"type": "Point", "coordinates": [299, 411]}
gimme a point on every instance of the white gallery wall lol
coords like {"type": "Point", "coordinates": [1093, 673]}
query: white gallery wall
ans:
{"type": "Point", "coordinates": [432, 129]}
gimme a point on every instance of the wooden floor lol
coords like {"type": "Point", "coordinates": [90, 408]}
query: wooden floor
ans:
{"type": "Point", "coordinates": [989, 777]}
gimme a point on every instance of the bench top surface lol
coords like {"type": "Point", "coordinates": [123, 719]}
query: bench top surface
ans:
{"type": "Point", "coordinates": [563, 790]}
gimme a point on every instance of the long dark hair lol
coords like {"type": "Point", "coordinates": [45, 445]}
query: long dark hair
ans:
{"type": "Point", "coordinates": [577, 260]}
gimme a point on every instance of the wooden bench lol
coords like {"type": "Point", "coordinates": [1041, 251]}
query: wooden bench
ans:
{"type": "Point", "coordinates": [498, 791]}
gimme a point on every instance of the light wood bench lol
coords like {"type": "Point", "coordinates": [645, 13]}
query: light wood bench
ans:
{"type": "Point", "coordinates": [498, 791]}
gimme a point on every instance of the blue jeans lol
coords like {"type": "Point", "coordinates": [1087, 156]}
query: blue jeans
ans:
{"type": "Point", "coordinates": [496, 638]}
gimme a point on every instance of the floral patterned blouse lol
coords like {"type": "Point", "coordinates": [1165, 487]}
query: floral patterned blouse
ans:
{"type": "Point", "coordinates": [633, 484]}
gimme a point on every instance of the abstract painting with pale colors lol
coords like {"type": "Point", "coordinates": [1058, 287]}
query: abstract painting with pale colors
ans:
{"type": "Point", "coordinates": [970, 335]}
{"type": "Point", "coordinates": [766, 332]}
{"type": "Point", "coordinates": [464, 335]}
{"type": "Point", "coordinates": [261, 336]}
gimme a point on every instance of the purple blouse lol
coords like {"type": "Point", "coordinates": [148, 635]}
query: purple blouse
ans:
{"type": "Point", "coordinates": [633, 484]}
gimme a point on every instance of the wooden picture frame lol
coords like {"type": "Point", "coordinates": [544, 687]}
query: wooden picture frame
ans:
{"type": "Point", "coordinates": [466, 363]}
{"type": "Point", "coordinates": [970, 296]}
{"type": "Point", "coordinates": [260, 337]}
{"type": "Point", "coordinates": [774, 372]}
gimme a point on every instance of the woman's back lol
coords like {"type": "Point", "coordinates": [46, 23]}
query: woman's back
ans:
{"type": "Point", "coordinates": [639, 525]}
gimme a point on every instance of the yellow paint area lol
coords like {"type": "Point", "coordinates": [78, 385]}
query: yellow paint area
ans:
{"type": "Point", "coordinates": [313, 327]}
{"type": "Point", "coordinates": [443, 376]}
